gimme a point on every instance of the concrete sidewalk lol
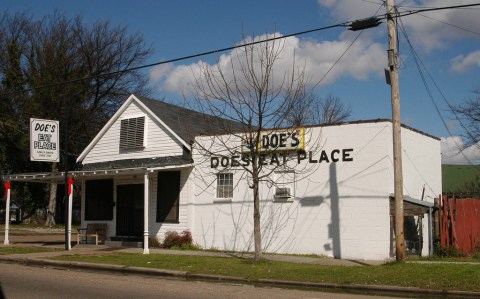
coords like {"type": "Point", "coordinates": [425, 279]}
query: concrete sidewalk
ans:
{"type": "Point", "coordinates": [56, 240]}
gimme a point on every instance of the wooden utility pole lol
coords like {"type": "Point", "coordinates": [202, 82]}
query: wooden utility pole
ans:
{"type": "Point", "coordinates": [397, 143]}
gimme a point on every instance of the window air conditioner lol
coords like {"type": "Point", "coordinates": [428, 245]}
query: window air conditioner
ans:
{"type": "Point", "coordinates": [283, 192]}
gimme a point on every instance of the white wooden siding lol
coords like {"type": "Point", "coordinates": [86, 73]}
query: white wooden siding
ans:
{"type": "Point", "coordinates": [159, 143]}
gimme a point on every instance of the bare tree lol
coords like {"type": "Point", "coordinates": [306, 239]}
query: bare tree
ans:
{"type": "Point", "coordinates": [331, 110]}
{"type": "Point", "coordinates": [309, 109]}
{"type": "Point", "coordinates": [35, 55]}
{"type": "Point", "coordinates": [257, 97]}
{"type": "Point", "coordinates": [469, 115]}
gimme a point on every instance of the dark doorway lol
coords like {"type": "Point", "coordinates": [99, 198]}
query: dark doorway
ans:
{"type": "Point", "coordinates": [130, 211]}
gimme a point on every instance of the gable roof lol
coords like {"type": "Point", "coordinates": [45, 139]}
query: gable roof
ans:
{"type": "Point", "coordinates": [188, 123]}
{"type": "Point", "coordinates": [184, 124]}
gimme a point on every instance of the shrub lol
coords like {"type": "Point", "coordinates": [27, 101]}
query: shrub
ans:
{"type": "Point", "coordinates": [448, 252]}
{"type": "Point", "coordinates": [174, 239]}
{"type": "Point", "coordinates": [154, 242]}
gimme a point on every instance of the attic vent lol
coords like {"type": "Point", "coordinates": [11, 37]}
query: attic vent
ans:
{"type": "Point", "coordinates": [131, 132]}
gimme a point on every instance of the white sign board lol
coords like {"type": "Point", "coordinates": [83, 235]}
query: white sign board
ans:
{"type": "Point", "coordinates": [44, 142]}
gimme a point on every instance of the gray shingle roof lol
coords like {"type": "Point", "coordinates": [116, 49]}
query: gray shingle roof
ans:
{"type": "Point", "coordinates": [188, 123]}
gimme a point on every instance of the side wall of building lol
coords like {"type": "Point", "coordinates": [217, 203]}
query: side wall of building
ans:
{"type": "Point", "coordinates": [339, 209]}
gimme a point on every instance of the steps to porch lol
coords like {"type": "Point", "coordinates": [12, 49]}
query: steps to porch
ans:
{"type": "Point", "coordinates": [135, 242]}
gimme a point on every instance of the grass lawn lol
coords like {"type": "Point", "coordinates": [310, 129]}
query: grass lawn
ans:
{"type": "Point", "coordinates": [23, 250]}
{"type": "Point", "coordinates": [461, 277]}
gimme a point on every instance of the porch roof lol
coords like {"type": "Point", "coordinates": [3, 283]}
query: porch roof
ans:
{"type": "Point", "coordinates": [132, 166]}
{"type": "Point", "coordinates": [411, 206]}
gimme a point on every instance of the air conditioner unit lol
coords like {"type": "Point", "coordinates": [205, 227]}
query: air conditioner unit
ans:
{"type": "Point", "coordinates": [283, 192]}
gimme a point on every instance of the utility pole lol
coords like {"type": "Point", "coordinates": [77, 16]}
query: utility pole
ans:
{"type": "Point", "coordinates": [397, 140]}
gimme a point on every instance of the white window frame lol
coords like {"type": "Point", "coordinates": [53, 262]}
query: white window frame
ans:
{"type": "Point", "coordinates": [221, 178]}
{"type": "Point", "coordinates": [284, 179]}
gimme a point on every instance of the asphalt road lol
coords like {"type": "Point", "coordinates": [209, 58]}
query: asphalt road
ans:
{"type": "Point", "coordinates": [18, 282]}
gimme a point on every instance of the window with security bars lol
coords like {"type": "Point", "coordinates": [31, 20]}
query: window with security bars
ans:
{"type": "Point", "coordinates": [225, 185]}
{"type": "Point", "coordinates": [131, 132]}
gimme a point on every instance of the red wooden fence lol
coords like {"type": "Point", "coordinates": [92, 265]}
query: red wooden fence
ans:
{"type": "Point", "coordinates": [460, 223]}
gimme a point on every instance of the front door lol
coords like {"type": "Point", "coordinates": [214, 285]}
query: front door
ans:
{"type": "Point", "coordinates": [130, 210]}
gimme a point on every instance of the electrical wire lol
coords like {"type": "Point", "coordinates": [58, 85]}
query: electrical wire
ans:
{"type": "Point", "coordinates": [344, 24]}
{"type": "Point", "coordinates": [455, 26]}
{"type": "Point", "coordinates": [419, 64]}
{"type": "Point", "coordinates": [339, 58]}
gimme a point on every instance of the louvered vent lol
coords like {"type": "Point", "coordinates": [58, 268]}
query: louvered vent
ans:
{"type": "Point", "coordinates": [131, 132]}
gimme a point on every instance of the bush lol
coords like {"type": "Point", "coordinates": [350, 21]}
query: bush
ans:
{"type": "Point", "coordinates": [154, 242]}
{"type": "Point", "coordinates": [448, 252]}
{"type": "Point", "coordinates": [174, 239]}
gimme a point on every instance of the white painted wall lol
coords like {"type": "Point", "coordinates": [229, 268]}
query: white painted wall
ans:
{"type": "Point", "coordinates": [340, 209]}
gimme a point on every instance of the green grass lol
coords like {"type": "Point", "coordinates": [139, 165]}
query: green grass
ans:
{"type": "Point", "coordinates": [454, 177]}
{"type": "Point", "coordinates": [23, 250]}
{"type": "Point", "coordinates": [464, 277]}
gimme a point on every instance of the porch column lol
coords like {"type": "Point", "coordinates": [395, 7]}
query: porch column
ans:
{"type": "Point", "coordinates": [145, 212]}
{"type": "Point", "coordinates": [7, 212]}
{"type": "Point", "coordinates": [70, 201]}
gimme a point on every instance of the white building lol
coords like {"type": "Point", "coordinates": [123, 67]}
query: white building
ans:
{"type": "Point", "coordinates": [148, 171]}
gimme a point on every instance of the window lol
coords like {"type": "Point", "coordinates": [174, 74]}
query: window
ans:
{"type": "Point", "coordinates": [131, 132]}
{"type": "Point", "coordinates": [284, 182]}
{"type": "Point", "coordinates": [225, 185]}
{"type": "Point", "coordinates": [168, 196]}
{"type": "Point", "coordinates": [99, 200]}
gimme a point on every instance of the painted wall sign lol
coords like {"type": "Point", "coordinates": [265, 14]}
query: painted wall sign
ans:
{"type": "Point", "coordinates": [276, 159]}
{"type": "Point", "coordinates": [44, 140]}
{"type": "Point", "coordinates": [277, 140]}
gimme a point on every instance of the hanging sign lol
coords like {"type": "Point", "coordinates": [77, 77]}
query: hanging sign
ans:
{"type": "Point", "coordinates": [44, 141]}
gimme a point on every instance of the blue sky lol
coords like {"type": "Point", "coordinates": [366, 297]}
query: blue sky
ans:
{"type": "Point", "coordinates": [443, 40]}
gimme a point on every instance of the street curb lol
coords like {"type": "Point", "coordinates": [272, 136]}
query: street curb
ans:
{"type": "Point", "coordinates": [184, 275]}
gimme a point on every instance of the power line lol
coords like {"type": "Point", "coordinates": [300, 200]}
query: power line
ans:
{"type": "Point", "coordinates": [411, 12]}
{"type": "Point", "coordinates": [344, 24]}
{"type": "Point", "coordinates": [419, 64]}
{"type": "Point", "coordinates": [178, 59]}
{"type": "Point", "coordinates": [340, 57]}
{"type": "Point", "coordinates": [455, 26]}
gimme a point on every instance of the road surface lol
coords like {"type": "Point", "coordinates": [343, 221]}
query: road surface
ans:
{"type": "Point", "coordinates": [18, 282]}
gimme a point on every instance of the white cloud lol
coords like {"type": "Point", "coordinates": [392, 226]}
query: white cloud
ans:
{"type": "Point", "coordinates": [348, 10]}
{"type": "Point", "coordinates": [362, 60]}
{"type": "Point", "coordinates": [365, 58]}
{"type": "Point", "coordinates": [461, 63]}
{"type": "Point", "coordinates": [453, 151]}
{"type": "Point", "coordinates": [429, 30]}
{"type": "Point", "coordinates": [160, 71]}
